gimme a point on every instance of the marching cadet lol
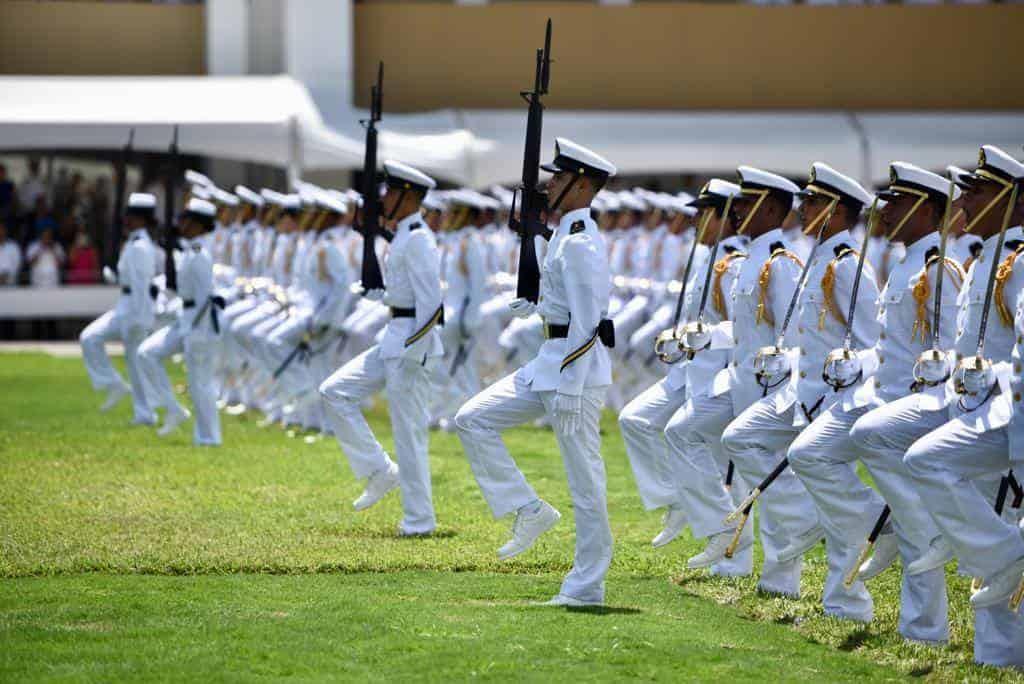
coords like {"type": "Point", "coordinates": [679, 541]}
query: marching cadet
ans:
{"type": "Point", "coordinates": [822, 455]}
{"type": "Point", "coordinates": [660, 476]}
{"type": "Point", "coordinates": [322, 300]}
{"type": "Point", "coordinates": [761, 292]}
{"type": "Point", "coordinates": [131, 319]}
{"type": "Point", "coordinates": [463, 271]}
{"type": "Point", "coordinates": [566, 381]}
{"type": "Point", "coordinates": [831, 207]}
{"type": "Point", "coordinates": [966, 247]}
{"type": "Point", "coordinates": [401, 364]}
{"type": "Point", "coordinates": [903, 401]}
{"type": "Point", "coordinates": [956, 465]}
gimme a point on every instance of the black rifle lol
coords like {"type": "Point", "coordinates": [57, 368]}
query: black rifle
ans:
{"type": "Point", "coordinates": [120, 189]}
{"type": "Point", "coordinates": [170, 226]}
{"type": "Point", "coordinates": [529, 223]}
{"type": "Point", "coordinates": [369, 226]}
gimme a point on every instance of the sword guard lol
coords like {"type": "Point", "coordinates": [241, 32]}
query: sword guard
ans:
{"type": "Point", "coordinates": [741, 509]}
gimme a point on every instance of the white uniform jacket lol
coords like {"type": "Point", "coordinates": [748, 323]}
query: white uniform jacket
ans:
{"type": "Point", "coordinates": [195, 286]}
{"type": "Point", "coordinates": [760, 296]}
{"type": "Point", "coordinates": [574, 289]}
{"type": "Point", "coordinates": [412, 277]}
{"type": "Point", "coordinates": [821, 322]}
{"type": "Point", "coordinates": [135, 271]}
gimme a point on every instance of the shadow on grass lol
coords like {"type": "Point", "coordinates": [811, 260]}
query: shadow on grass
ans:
{"type": "Point", "coordinates": [855, 640]}
{"type": "Point", "coordinates": [603, 610]}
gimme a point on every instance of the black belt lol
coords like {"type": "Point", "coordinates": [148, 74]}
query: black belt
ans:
{"type": "Point", "coordinates": [188, 303]}
{"type": "Point", "coordinates": [559, 331]}
{"type": "Point", "coordinates": [402, 312]}
{"type": "Point", "coordinates": [126, 290]}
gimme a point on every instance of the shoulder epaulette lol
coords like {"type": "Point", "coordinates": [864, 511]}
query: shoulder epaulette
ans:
{"type": "Point", "coordinates": [828, 287]}
{"type": "Point", "coordinates": [721, 266]}
{"type": "Point", "coordinates": [416, 226]}
{"type": "Point", "coordinates": [1003, 274]}
{"type": "Point", "coordinates": [577, 227]}
{"type": "Point", "coordinates": [765, 279]}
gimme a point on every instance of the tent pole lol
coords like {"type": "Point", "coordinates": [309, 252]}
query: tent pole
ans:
{"type": "Point", "coordinates": [295, 161]}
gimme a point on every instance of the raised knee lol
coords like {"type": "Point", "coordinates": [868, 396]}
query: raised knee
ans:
{"type": "Point", "coordinates": [465, 419]}
{"type": "Point", "coordinates": [629, 421]}
{"type": "Point", "coordinates": [800, 456]}
{"type": "Point", "coordinates": [917, 458]}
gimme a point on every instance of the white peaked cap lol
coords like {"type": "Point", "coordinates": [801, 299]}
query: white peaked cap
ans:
{"type": "Point", "coordinates": [403, 174]}
{"type": "Point", "coordinates": [826, 181]}
{"type": "Point", "coordinates": [715, 193]}
{"type": "Point", "coordinates": [201, 207]}
{"type": "Point", "coordinates": [752, 178]}
{"type": "Point", "coordinates": [248, 196]}
{"type": "Point", "coordinates": [141, 200]}
{"type": "Point", "coordinates": [572, 157]}
{"type": "Point", "coordinates": [906, 179]}
{"type": "Point", "coordinates": [195, 178]}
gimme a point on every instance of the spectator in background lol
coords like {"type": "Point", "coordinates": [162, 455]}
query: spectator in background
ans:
{"type": "Point", "coordinates": [38, 220]}
{"type": "Point", "coordinates": [83, 260]}
{"type": "Point", "coordinates": [45, 259]}
{"type": "Point", "coordinates": [10, 257]}
{"type": "Point", "coordinates": [8, 195]}
{"type": "Point", "coordinates": [32, 188]}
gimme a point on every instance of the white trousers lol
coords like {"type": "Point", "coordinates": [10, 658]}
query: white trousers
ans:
{"type": "Point", "coordinates": [756, 441]}
{"type": "Point", "coordinates": [108, 328]}
{"type": "Point", "coordinates": [883, 435]}
{"type": "Point", "coordinates": [200, 359]}
{"type": "Point", "coordinates": [153, 353]}
{"type": "Point", "coordinates": [660, 477]}
{"type": "Point", "coordinates": [406, 383]}
{"type": "Point", "coordinates": [946, 465]}
{"type": "Point", "coordinates": [510, 402]}
{"type": "Point", "coordinates": [692, 437]}
{"type": "Point", "coordinates": [824, 458]}
{"type": "Point", "coordinates": [999, 636]}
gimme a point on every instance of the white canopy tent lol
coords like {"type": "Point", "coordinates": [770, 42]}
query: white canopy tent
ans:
{"type": "Point", "coordinates": [479, 148]}
{"type": "Point", "coordinates": [263, 119]}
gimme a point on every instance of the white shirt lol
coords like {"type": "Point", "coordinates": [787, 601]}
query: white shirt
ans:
{"type": "Point", "coordinates": [10, 262]}
{"type": "Point", "coordinates": [45, 270]}
{"type": "Point", "coordinates": [412, 278]}
{"type": "Point", "coordinates": [821, 319]}
{"type": "Point", "coordinates": [135, 271]}
{"type": "Point", "coordinates": [750, 331]}
{"type": "Point", "coordinates": [575, 287]}
{"type": "Point", "coordinates": [195, 285]}
{"type": "Point", "coordinates": [465, 275]}
{"type": "Point", "coordinates": [325, 278]}
{"type": "Point", "coordinates": [999, 336]}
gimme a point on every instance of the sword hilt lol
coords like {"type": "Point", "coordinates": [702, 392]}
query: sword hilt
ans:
{"type": "Point", "coordinates": [854, 572]}
{"type": "Point", "coordinates": [734, 544]}
{"type": "Point", "coordinates": [744, 508]}
{"type": "Point", "coordinates": [1017, 597]}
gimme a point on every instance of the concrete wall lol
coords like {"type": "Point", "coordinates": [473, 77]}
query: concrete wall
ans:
{"type": "Point", "coordinates": [677, 55]}
{"type": "Point", "coordinates": [91, 38]}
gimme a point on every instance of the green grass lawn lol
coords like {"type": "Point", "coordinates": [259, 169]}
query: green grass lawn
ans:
{"type": "Point", "coordinates": [125, 556]}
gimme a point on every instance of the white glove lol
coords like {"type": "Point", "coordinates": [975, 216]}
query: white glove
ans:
{"type": "Point", "coordinates": [109, 277]}
{"type": "Point", "coordinates": [568, 413]}
{"type": "Point", "coordinates": [522, 308]}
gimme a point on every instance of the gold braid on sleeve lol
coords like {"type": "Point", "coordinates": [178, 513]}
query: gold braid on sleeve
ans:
{"type": "Point", "coordinates": [721, 266]}
{"type": "Point", "coordinates": [1003, 274]}
{"type": "Point", "coordinates": [828, 288]}
{"type": "Point", "coordinates": [764, 280]}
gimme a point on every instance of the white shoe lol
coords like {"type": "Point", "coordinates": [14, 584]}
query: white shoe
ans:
{"type": "Point", "coordinates": [938, 554]}
{"type": "Point", "coordinates": [672, 524]}
{"type": "Point", "coordinates": [717, 546]}
{"type": "Point", "coordinates": [569, 602]}
{"type": "Point", "coordinates": [803, 543]}
{"type": "Point", "coordinates": [403, 532]}
{"type": "Point", "coordinates": [527, 528]}
{"type": "Point", "coordinates": [999, 588]}
{"type": "Point", "coordinates": [236, 409]}
{"type": "Point", "coordinates": [114, 397]}
{"type": "Point", "coordinates": [173, 419]}
{"type": "Point", "coordinates": [379, 484]}
{"type": "Point", "coordinates": [886, 551]}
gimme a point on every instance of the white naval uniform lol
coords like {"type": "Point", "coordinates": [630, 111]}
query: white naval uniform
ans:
{"type": "Point", "coordinates": [194, 334]}
{"type": "Point", "coordinates": [825, 453]}
{"type": "Point", "coordinates": [962, 460]}
{"type": "Point", "coordinates": [130, 321]}
{"type": "Point", "coordinates": [464, 272]}
{"type": "Point", "coordinates": [699, 425]}
{"type": "Point", "coordinates": [401, 365]}
{"type": "Point", "coordinates": [575, 286]}
{"type": "Point", "coordinates": [670, 478]}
